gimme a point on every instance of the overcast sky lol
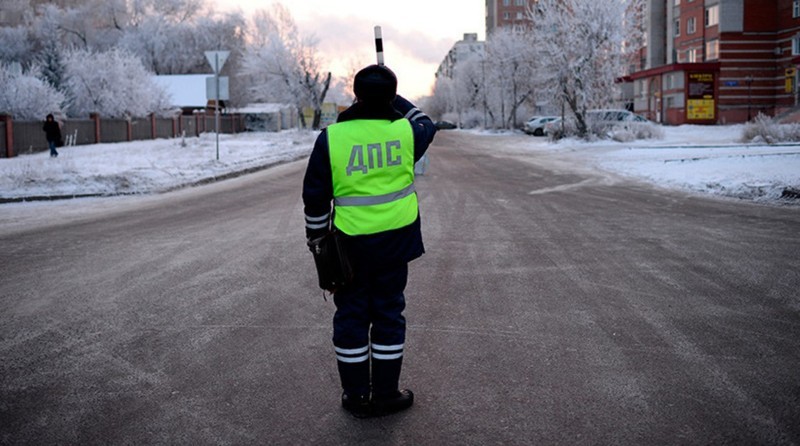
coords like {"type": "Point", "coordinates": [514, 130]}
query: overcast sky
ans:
{"type": "Point", "coordinates": [417, 33]}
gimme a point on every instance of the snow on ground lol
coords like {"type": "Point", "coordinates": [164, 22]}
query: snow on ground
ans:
{"type": "Point", "coordinates": [706, 159]}
{"type": "Point", "coordinates": [146, 166]}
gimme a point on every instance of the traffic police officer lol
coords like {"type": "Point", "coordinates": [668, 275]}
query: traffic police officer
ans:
{"type": "Point", "coordinates": [364, 164]}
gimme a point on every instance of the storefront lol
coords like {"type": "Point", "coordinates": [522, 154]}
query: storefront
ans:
{"type": "Point", "coordinates": [678, 93]}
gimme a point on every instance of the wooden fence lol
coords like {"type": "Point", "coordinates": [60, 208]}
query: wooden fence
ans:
{"type": "Point", "coordinates": [18, 137]}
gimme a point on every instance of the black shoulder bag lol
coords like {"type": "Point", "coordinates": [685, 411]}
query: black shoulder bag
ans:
{"type": "Point", "coordinates": [330, 257]}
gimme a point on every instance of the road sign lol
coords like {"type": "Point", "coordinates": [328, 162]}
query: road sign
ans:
{"type": "Point", "coordinates": [211, 88]}
{"type": "Point", "coordinates": [217, 59]}
{"type": "Point", "coordinates": [214, 85]}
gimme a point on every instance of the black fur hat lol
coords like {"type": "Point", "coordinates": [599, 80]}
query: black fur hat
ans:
{"type": "Point", "coordinates": [375, 84]}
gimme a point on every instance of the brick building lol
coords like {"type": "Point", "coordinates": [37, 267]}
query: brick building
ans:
{"type": "Point", "coordinates": [503, 13]}
{"type": "Point", "coordinates": [717, 61]}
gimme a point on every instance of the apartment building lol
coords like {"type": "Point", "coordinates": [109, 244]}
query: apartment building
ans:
{"type": "Point", "coordinates": [503, 13]}
{"type": "Point", "coordinates": [717, 61]}
{"type": "Point", "coordinates": [499, 13]}
{"type": "Point", "coordinates": [461, 51]}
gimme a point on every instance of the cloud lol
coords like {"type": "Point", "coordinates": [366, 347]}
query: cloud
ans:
{"type": "Point", "coordinates": [345, 37]}
{"type": "Point", "coordinates": [347, 42]}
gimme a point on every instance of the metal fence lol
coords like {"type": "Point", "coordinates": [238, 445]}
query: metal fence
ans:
{"type": "Point", "coordinates": [19, 137]}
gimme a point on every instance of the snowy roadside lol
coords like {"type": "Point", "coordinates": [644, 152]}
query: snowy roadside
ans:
{"type": "Point", "coordinates": [705, 159]}
{"type": "Point", "coordinates": [143, 167]}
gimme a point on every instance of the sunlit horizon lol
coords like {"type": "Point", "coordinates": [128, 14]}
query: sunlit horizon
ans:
{"type": "Point", "coordinates": [417, 34]}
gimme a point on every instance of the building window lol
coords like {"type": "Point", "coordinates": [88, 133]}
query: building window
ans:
{"type": "Point", "coordinates": [678, 27]}
{"type": "Point", "coordinates": [796, 45]}
{"type": "Point", "coordinates": [520, 16]}
{"type": "Point", "coordinates": [677, 2]}
{"type": "Point", "coordinates": [712, 49]}
{"type": "Point", "coordinates": [796, 9]}
{"type": "Point", "coordinates": [691, 25]}
{"type": "Point", "coordinates": [712, 15]}
{"type": "Point", "coordinates": [519, 2]}
{"type": "Point", "coordinates": [506, 2]}
{"type": "Point", "coordinates": [691, 56]}
{"type": "Point", "coordinates": [507, 15]}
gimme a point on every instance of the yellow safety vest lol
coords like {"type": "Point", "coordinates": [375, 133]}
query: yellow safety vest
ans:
{"type": "Point", "coordinates": [372, 166]}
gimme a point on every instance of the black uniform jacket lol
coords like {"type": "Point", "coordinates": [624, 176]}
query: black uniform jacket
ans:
{"type": "Point", "coordinates": [384, 248]}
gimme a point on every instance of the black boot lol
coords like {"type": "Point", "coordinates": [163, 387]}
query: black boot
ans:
{"type": "Point", "coordinates": [385, 377]}
{"type": "Point", "coordinates": [386, 398]}
{"type": "Point", "coordinates": [355, 377]}
{"type": "Point", "coordinates": [355, 382]}
{"type": "Point", "coordinates": [389, 404]}
{"type": "Point", "coordinates": [358, 405]}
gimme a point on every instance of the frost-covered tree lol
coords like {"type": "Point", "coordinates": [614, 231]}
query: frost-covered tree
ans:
{"type": "Point", "coordinates": [113, 83]}
{"type": "Point", "coordinates": [25, 96]}
{"type": "Point", "coordinates": [284, 66]}
{"type": "Point", "coordinates": [168, 47]}
{"type": "Point", "coordinates": [510, 70]}
{"type": "Point", "coordinates": [50, 65]}
{"type": "Point", "coordinates": [15, 44]}
{"type": "Point", "coordinates": [175, 11]}
{"type": "Point", "coordinates": [580, 51]}
{"type": "Point", "coordinates": [465, 90]}
{"type": "Point", "coordinates": [493, 87]}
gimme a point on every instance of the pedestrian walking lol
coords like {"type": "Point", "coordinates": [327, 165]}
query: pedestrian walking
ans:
{"type": "Point", "coordinates": [52, 132]}
{"type": "Point", "coordinates": [364, 165]}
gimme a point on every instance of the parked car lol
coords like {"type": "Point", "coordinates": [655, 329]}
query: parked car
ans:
{"type": "Point", "coordinates": [444, 125]}
{"type": "Point", "coordinates": [535, 125]}
{"type": "Point", "coordinates": [599, 119]}
{"type": "Point", "coordinates": [612, 117]}
{"type": "Point", "coordinates": [552, 126]}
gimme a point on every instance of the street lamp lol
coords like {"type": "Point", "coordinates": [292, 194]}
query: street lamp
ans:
{"type": "Point", "coordinates": [749, 81]}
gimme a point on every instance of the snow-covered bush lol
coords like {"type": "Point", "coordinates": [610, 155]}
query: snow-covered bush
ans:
{"type": "Point", "coordinates": [625, 131]}
{"type": "Point", "coordinates": [471, 119]}
{"type": "Point", "coordinates": [637, 130]}
{"type": "Point", "coordinates": [764, 129]}
{"type": "Point", "coordinates": [113, 84]}
{"type": "Point", "coordinates": [563, 128]}
{"type": "Point", "coordinates": [27, 97]}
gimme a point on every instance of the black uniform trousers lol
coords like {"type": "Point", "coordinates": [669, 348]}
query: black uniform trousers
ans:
{"type": "Point", "coordinates": [369, 330]}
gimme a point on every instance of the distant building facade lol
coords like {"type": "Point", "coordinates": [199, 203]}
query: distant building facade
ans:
{"type": "Point", "coordinates": [461, 51]}
{"type": "Point", "coordinates": [717, 61]}
{"type": "Point", "coordinates": [499, 14]}
{"type": "Point", "coordinates": [507, 13]}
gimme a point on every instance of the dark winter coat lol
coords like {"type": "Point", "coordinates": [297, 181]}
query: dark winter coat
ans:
{"type": "Point", "coordinates": [52, 131]}
{"type": "Point", "coordinates": [385, 248]}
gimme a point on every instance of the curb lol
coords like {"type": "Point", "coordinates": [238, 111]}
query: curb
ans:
{"type": "Point", "coordinates": [202, 182]}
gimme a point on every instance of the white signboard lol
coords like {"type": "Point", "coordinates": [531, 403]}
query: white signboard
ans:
{"type": "Point", "coordinates": [211, 88]}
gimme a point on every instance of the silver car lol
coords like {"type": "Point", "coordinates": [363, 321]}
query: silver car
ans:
{"type": "Point", "coordinates": [535, 125]}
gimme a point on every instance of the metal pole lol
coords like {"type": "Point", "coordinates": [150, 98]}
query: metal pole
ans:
{"type": "Point", "coordinates": [216, 97]}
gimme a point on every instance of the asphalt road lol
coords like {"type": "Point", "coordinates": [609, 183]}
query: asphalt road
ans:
{"type": "Point", "coordinates": [555, 305]}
